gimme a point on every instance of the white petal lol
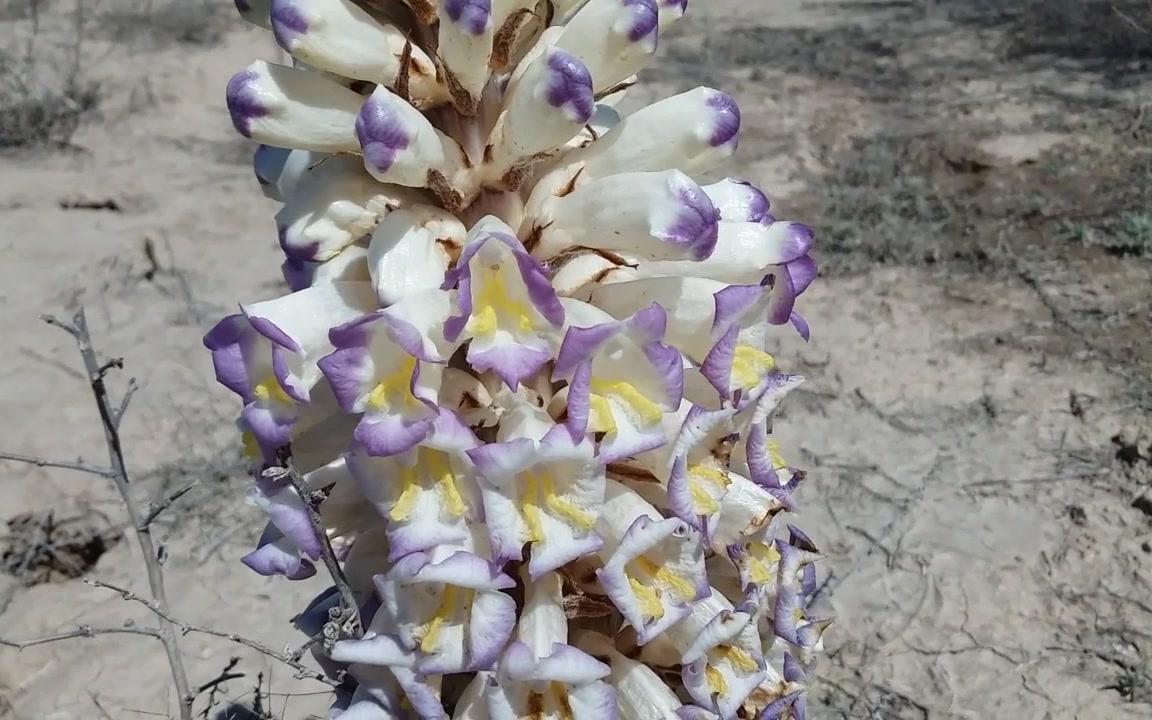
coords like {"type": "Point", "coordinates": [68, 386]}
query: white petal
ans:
{"type": "Point", "coordinates": [307, 316]}
{"type": "Point", "coordinates": [542, 621]}
{"type": "Point", "coordinates": [685, 635]}
{"type": "Point", "coordinates": [401, 146]}
{"type": "Point", "coordinates": [621, 508]}
{"type": "Point", "coordinates": [745, 511]}
{"type": "Point", "coordinates": [411, 249]}
{"type": "Point", "coordinates": [350, 264]}
{"type": "Point", "coordinates": [640, 693]}
{"type": "Point", "coordinates": [744, 252]}
{"type": "Point", "coordinates": [335, 204]}
{"type": "Point", "coordinates": [465, 48]}
{"type": "Point", "coordinates": [549, 106]}
{"type": "Point", "coordinates": [690, 303]}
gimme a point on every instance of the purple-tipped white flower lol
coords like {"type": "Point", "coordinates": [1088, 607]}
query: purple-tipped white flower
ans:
{"type": "Point", "coordinates": [693, 132]}
{"type": "Point", "coordinates": [401, 146]}
{"type": "Point", "coordinates": [340, 37]}
{"type": "Point", "coordinates": [653, 567]}
{"type": "Point", "coordinates": [653, 216]}
{"type": "Point", "coordinates": [290, 107]}
{"type": "Point", "coordinates": [614, 38]}
{"type": "Point", "coordinates": [551, 104]}
{"type": "Point", "coordinates": [531, 364]}
{"type": "Point", "coordinates": [544, 493]}
{"type": "Point", "coordinates": [505, 307]}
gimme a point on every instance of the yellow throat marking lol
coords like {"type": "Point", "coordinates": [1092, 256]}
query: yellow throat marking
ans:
{"type": "Point", "coordinates": [738, 658]}
{"type": "Point", "coordinates": [539, 492]}
{"type": "Point", "coordinates": [749, 365]}
{"type": "Point", "coordinates": [493, 307]}
{"type": "Point", "coordinates": [431, 469]}
{"type": "Point", "coordinates": [778, 461]}
{"type": "Point", "coordinates": [601, 418]}
{"type": "Point", "coordinates": [649, 582]}
{"type": "Point", "coordinates": [251, 447]}
{"type": "Point", "coordinates": [450, 598]}
{"type": "Point", "coordinates": [394, 392]}
{"type": "Point", "coordinates": [762, 562]}
{"type": "Point", "coordinates": [716, 682]}
{"type": "Point", "coordinates": [269, 390]}
{"type": "Point", "coordinates": [700, 477]}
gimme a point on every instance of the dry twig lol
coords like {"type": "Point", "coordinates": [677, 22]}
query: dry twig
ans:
{"type": "Point", "coordinates": [349, 623]}
{"type": "Point", "coordinates": [157, 508]}
{"type": "Point", "coordinates": [302, 671]}
{"type": "Point", "coordinates": [84, 631]}
{"type": "Point", "coordinates": [110, 416]}
{"type": "Point", "coordinates": [44, 462]}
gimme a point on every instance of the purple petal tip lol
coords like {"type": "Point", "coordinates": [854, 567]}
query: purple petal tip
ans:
{"type": "Point", "coordinates": [381, 133]}
{"type": "Point", "coordinates": [645, 19]}
{"type": "Point", "coordinates": [569, 86]}
{"type": "Point", "coordinates": [697, 223]}
{"type": "Point", "coordinates": [242, 103]}
{"type": "Point", "coordinates": [726, 121]}
{"type": "Point", "coordinates": [472, 15]}
{"type": "Point", "coordinates": [287, 22]}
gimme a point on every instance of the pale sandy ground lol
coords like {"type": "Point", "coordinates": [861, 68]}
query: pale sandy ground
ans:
{"type": "Point", "coordinates": [944, 456]}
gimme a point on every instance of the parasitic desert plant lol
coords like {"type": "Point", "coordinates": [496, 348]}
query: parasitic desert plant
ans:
{"type": "Point", "coordinates": [519, 400]}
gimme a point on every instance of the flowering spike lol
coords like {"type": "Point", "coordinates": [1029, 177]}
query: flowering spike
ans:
{"type": "Point", "coordinates": [531, 364]}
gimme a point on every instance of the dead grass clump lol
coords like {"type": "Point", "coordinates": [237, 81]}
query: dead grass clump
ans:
{"type": "Point", "coordinates": [1078, 29]}
{"type": "Point", "coordinates": [879, 206]}
{"type": "Point", "coordinates": [45, 89]}
{"type": "Point", "coordinates": [43, 116]}
{"type": "Point", "coordinates": [162, 23]}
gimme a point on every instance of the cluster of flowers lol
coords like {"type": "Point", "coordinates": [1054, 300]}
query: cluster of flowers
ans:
{"type": "Point", "coordinates": [524, 358]}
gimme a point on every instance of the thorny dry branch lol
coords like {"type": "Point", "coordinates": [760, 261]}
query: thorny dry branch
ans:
{"type": "Point", "coordinates": [110, 417]}
{"type": "Point", "coordinates": [287, 658]}
{"type": "Point", "coordinates": [348, 623]}
{"type": "Point", "coordinates": [142, 516]}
